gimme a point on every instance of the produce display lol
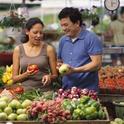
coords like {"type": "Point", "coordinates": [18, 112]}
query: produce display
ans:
{"type": "Point", "coordinates": [112, 80]}
{"type": "Point", "coordinates": [53, 107]}
{"type": "Point", "coordinates": [59, 110]}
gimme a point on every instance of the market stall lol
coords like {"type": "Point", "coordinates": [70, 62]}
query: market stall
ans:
{"type": "Point", "coordinates": [79, 106]}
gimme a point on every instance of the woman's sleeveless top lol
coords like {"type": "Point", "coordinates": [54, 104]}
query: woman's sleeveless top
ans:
{"type": "Point", "coordinates": [34, 81]}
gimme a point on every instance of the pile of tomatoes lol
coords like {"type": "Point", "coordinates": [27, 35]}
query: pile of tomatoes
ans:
{"type": "Point", "coordinates": [111, 79]}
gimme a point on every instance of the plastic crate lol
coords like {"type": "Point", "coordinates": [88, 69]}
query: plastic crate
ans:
{"type": "Point", "coordinates": [119, 109]}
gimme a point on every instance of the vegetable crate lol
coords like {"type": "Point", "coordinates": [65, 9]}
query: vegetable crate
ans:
{"type": "Point", "coordinates": [106, 121]}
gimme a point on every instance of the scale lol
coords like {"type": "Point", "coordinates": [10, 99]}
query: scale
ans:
{"type": "Point", "coordinates": [112, 5]}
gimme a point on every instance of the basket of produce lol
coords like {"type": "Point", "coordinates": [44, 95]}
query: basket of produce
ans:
{"type": "Point", "coordinates": [119, 108]}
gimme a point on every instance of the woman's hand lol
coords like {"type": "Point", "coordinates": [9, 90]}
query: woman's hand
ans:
{"type": "Point", "coordinates": [46, 80]}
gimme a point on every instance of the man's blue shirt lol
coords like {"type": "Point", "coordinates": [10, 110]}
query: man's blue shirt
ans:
{"type": "Point", "coordinates": [77, 54]}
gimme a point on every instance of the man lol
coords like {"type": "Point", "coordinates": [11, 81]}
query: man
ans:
{"type": "Point", "coordinates": [80, 49]}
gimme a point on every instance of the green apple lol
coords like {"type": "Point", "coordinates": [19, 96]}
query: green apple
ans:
{"type": "Point", "coordinates": [21, 111]}
{"type": "Point", "coordinates": [3, 116]}
{"type": "Point", "coordinates": [26, 103]}
{"type": "Point", "coordinates": [22, 117]}
{"type": "Point", "coordinates": [3, 104]}
{"type": "Point", "coordinates": [63, 69]}
{"type": "Point", "coordinates": [5, 98]}
{"type": "Point", "coordinates": [15, 104]}
{"type": "Point", "coordinates": [12, 116]}
{"type": "Point", "coordinates": [8, 110]}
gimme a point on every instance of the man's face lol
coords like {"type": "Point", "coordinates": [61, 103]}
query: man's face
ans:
{"type": "Point", "coordinates": [69, 28]}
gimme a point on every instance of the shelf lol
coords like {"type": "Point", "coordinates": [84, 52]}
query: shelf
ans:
{"type": "Point", "coordinates": [109, 50]}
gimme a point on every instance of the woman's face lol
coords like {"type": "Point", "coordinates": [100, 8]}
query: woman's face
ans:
{"type": "Point", "coordinates": [35, 34]}
{"type": "Point", "coordinates": [69, 28]}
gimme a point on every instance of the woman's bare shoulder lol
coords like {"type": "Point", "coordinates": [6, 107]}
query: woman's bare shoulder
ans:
{"type": "Point", "coordinates": [16, 49]}
{"type": "Point", "coordinates": [50, 48]}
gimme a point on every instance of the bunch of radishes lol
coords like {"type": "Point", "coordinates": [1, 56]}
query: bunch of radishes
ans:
{"type": "Point", "coordinates": [49, 111]}
{"type": "Point", "coordinates": [75, 92]}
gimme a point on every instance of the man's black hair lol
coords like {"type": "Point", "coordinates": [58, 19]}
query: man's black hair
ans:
{"type": "Point", "coordinates": [73, 13]}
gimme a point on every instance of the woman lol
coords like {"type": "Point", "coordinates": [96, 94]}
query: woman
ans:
{"type": "Point", "coordinates": [34, 51]}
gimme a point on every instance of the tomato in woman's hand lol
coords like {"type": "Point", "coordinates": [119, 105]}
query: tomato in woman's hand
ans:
{"type": "Point", "coordinates": [33, 68]}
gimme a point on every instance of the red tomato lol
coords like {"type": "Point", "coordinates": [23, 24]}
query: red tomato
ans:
{"type": "Point", "coordinates": [33, 68]}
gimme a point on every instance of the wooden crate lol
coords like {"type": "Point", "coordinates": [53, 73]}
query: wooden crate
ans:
{"type": "Point", "coordinates": [106, 121]}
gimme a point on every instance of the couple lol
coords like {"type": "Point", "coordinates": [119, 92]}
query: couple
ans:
{"type": "Point", "coordinates": [78, 48]}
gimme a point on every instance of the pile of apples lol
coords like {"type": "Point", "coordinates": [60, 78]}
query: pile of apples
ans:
{"type": "Point", "coordinates": [75, 92]}
{"type": "Point", "coordinates": [13, 109]}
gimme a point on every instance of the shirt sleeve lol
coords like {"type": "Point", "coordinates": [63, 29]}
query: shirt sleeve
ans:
{"type": "Point", "coordinates": [94, 45]}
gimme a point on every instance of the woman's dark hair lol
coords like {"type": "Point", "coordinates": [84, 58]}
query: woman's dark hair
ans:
{"type": "Point", "coordinates": [29, 24]}
{"type": "Point", "coordinates": [73, 13]}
